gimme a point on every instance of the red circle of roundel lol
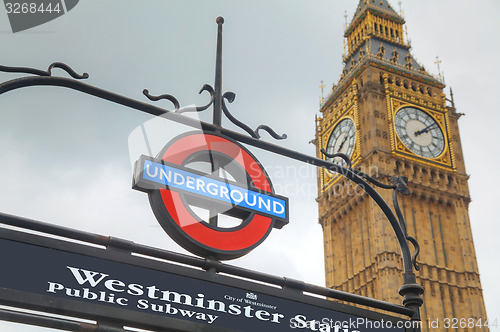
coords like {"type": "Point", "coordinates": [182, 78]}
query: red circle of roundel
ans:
{"type": "Point", "coordinates": [187, 230]}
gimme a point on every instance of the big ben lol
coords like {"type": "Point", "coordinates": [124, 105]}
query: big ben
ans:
{"type": "Point", "coordinates": [391, 117]}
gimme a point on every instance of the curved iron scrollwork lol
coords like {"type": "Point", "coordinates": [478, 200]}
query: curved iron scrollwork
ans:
{"type": "Point", "coordinates": [399, 185]}
{"type": "Point", "coordinates": [270, 131]}
{"type": "Point", "coordinates": [230, 96]}
{"type": "Point", "coordinates": [47, 72]}
{"type": "Point", "coordinates": [416, 246]}
{"type": "Point", "coordinates": [343, 156]}
{"type": "Point", "coordinates": [163, 96]}
{"type": "Point", "coordinates": [176, 103]}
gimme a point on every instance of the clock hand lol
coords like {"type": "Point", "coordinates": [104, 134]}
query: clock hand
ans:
{"type": "Point", "coordinates": [342, 144]}
{"type": "Point", "coordinates": [425, 130]}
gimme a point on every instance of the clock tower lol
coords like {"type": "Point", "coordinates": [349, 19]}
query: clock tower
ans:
{"type": "Point", "coordinates": [391, 117]}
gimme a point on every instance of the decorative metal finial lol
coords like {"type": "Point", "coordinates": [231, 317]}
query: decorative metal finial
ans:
{"type": "Point", "coordinates": [47, 72]}
{"type": "Point", "coordinates": [218, 99]}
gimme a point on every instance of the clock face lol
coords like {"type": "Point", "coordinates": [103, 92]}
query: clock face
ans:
{"type": "Point", "coordinates": [419, 132]}
{"type": "Point", "coordinates": [341, 140]}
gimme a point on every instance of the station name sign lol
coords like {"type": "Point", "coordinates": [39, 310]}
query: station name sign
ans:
{"type": "Point", "coordinates": [83, 281]}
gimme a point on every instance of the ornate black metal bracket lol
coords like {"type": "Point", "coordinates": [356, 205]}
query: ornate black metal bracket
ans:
{"type": "Point", "coordinates": [229, 96]}
{"type": "Point", "coordinates": [47, 72]}
{"type": "Point", "coordinates": [410, 290]}
{"type": "Point", "coordinates": [399, 185]}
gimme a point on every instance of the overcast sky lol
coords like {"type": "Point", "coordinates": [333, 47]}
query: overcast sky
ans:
{"type": "Point", "coordinates": [66, 156]}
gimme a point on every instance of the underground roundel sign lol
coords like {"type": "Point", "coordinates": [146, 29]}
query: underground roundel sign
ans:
{"type": "Point", "coordinates": [211, 195]}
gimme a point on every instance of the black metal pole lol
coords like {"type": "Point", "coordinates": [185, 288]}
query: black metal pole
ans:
{"type": "Point", "coordinates": [217, 118]}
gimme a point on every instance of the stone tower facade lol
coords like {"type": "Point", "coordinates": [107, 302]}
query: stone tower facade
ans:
{"type": "Point", "coordinates": [391, 117]}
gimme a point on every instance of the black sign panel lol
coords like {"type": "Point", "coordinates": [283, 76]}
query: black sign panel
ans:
{"type": "Point", "coordinates": [58, 276]}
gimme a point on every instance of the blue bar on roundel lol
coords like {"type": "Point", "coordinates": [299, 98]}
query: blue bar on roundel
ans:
{"type": "Point", "coordinates": [180, 179]}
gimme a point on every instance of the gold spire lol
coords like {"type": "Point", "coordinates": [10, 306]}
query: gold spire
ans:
{"type": "Point", "coordinates": [440, 73]}
{"type": "Point", "coordinates": [322, 98]}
